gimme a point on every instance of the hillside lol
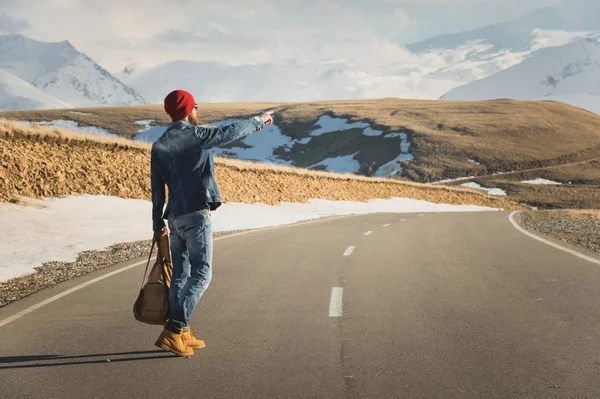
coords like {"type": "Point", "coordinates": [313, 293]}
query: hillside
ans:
{"type": "Point", "coordinates": [36, 163]}
{"type": "Point", "coordinates": [421, 141]}
{"type": "Point", "coordinates": [568, 73]}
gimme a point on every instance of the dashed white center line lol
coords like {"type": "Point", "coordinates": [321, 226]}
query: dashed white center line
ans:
{"type": "Point", "coordinates": [387, 225]}
{"type": "Point", "coordinates": [368, 233]}
{"type": "Point", "coordinates": [335, 303]}
{"type": "Point", "coordinates": [349, 251]}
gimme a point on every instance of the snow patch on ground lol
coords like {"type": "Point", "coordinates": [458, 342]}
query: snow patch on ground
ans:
{"type": "Point", "coordinates": [327, 124]}
{"type": "Point", "coordinates": [394, 167]}
{"type": "Point", "coordinates": [146, 123]}
{"type": "Point", "coordinates": [149, 134]}
{"type": "Point", "coordinates": [81, 113]}
{"type": "Point", "coordinates": [261, 144]}
{"type": "Point", "coordinates": [490, 191]}
{"type": "Point", "coordinates": [370, 132]}
{"type": "Point", "coordinates": [343, 164]}
{"type": "Point", "coordinates": [541, 181]}
{"type": "Point", "coordinates": [474, 161]}
{"type": "Point", "coordinates": [395, 135]}
{"type": "Point", "coordinates": [71, 225]}
{"type": "Point", "coordinates": [73, 127]}
{"type": "Point", "coordinates": [304, 141]}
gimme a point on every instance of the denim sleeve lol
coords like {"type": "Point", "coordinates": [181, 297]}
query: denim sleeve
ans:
{"type": "Point", "coordinates": [157, 183]}
{"type": "Point", "coordinates": [218, 136]}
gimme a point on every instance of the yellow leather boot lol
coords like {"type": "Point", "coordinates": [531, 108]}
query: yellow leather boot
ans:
{"type": "Point", "coordinates": [173, 342]}
{"type": "Point", "coordinates": [190, 341]}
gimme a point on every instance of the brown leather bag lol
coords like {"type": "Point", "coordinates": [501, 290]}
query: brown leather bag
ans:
{"type": "Point", "coordinates": [152, 304]}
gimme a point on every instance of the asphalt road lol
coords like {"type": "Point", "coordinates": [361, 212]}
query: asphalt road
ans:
{"type": "Point", "coordinates": [432, 306]}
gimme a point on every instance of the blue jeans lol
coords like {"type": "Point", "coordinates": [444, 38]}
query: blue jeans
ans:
{"type": "Point", "coordinates": [191, 250]}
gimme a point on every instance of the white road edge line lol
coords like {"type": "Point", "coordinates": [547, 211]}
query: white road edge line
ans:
{"type": "Point", "coordinates": [56, 297]}
{"type": "Point", "coordinates": [335, 303]}
{"type": "Point", "coordinates": [368, 233]}
{"type": "Point", "coordinates": [349, 250]}
{"type": "Point", "coordinates": [512, 220]}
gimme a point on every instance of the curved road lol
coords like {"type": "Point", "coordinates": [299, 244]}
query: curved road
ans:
{"type": "Point", "coordinates": [432, 306]}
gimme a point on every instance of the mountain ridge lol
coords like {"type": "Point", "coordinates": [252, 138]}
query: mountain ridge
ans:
{"type": "Point", "coordinates": [61, 71]}
{"type": "Point", "coordinates": [542, 77]}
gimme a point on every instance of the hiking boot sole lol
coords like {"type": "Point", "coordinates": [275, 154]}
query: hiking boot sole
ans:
{"type": "Point", "coordinates": [169, 349]}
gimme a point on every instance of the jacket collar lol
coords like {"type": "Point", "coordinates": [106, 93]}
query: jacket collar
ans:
{"type": "Point", "coordinates": [180, 124]}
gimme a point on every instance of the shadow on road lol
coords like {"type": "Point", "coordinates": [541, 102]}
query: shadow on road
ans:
{"type": "Point", "coordinates": [57, 360]}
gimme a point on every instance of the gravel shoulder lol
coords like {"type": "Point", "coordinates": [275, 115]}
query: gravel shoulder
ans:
{"type": "Point", "coordinates": [577, 227]}
{"type": "Point", "coordinates": [52, 273]}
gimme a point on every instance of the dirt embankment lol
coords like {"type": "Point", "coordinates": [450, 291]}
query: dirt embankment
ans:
{"type": "Point", "coordinates": [39, 163]}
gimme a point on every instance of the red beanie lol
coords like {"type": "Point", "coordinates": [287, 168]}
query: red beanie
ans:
{"type": "Point", "coordinates": [179, 104]}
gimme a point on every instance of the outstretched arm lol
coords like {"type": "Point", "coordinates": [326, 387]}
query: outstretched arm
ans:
{"type": "Point", "coordinates": [218, 136]}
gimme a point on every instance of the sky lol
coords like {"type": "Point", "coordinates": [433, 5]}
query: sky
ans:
{"type": "Point", "coordinates": [116, 33]}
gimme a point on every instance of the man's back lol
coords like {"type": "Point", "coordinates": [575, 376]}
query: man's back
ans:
{"type": "Point", "coordinates": [182, 160]}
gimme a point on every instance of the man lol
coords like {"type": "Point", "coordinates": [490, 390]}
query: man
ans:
{"type": "Point", "coordinates": [182, 160]}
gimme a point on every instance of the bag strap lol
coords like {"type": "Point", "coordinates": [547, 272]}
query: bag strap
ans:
{"type": "Point", "coordinates": [148, 264]}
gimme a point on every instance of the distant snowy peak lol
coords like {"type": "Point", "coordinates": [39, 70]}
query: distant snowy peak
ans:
{"type": "Point", "coordinates": [17, 94]}
{"type": "Point", "coordinates": [30, 59]}
{"type": "Point", "coordinates": [476, 54]}
{"type": "Point", "coordinates": [569, 73]}
{"type": "Point", "coordinates": [60, 70]}
{"type": "Point", "coordinates": [129, 72]}
{"type": "Point", "coordinates": [84, 83]}
{"type": "Point", "coordinates": [517, 35]}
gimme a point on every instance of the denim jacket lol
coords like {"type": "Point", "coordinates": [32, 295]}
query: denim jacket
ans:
{"type": "Point", "coordinates": [182, 160]}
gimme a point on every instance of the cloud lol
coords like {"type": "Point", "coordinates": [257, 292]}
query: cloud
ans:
{"type": "Point", "coordinates": [402, 18]}
{"type": "Point", "coordinates": [12, 25]}
{"type": "Point", "coordinates": [149, 32]}
{"type": "Point", "coordinates": [433, 1]}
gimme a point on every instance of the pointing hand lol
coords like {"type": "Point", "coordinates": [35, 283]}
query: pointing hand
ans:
{"type": "Point", "coordinates": [267, 118]}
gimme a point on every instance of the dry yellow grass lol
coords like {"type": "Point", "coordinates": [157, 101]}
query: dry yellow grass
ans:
{"type": "Point", "coordinates": [565, 196]}
{"type": "Point", "coordinates": [40, 163]}
{"type": "Point", "coordinates": [593, 214]}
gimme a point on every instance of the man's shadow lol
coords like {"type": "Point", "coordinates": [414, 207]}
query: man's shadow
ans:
{"type": "Point", "coordinates": [16, 362]}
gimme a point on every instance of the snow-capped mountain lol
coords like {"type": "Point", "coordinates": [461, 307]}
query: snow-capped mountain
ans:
{"type": "Point", "coordinates": [61, 71]}
{"type": "Point", "coordinates": [214, 82]}
{"type": "Point", "coordinates": [471, 55]}
{"type": "Point", "coordinates": [569, 73]}
{"type": "Point", "coordinates": [128, 73]}
{"type": "Point", "coordinates": [17, 94]}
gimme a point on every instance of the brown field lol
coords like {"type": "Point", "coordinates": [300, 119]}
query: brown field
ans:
{"type": "Point", "coordinates": [586, 214]}
{"type": "Point", "coordinates": [542, 139]}
{"type": "Point", "coordinates": [40, 162]}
